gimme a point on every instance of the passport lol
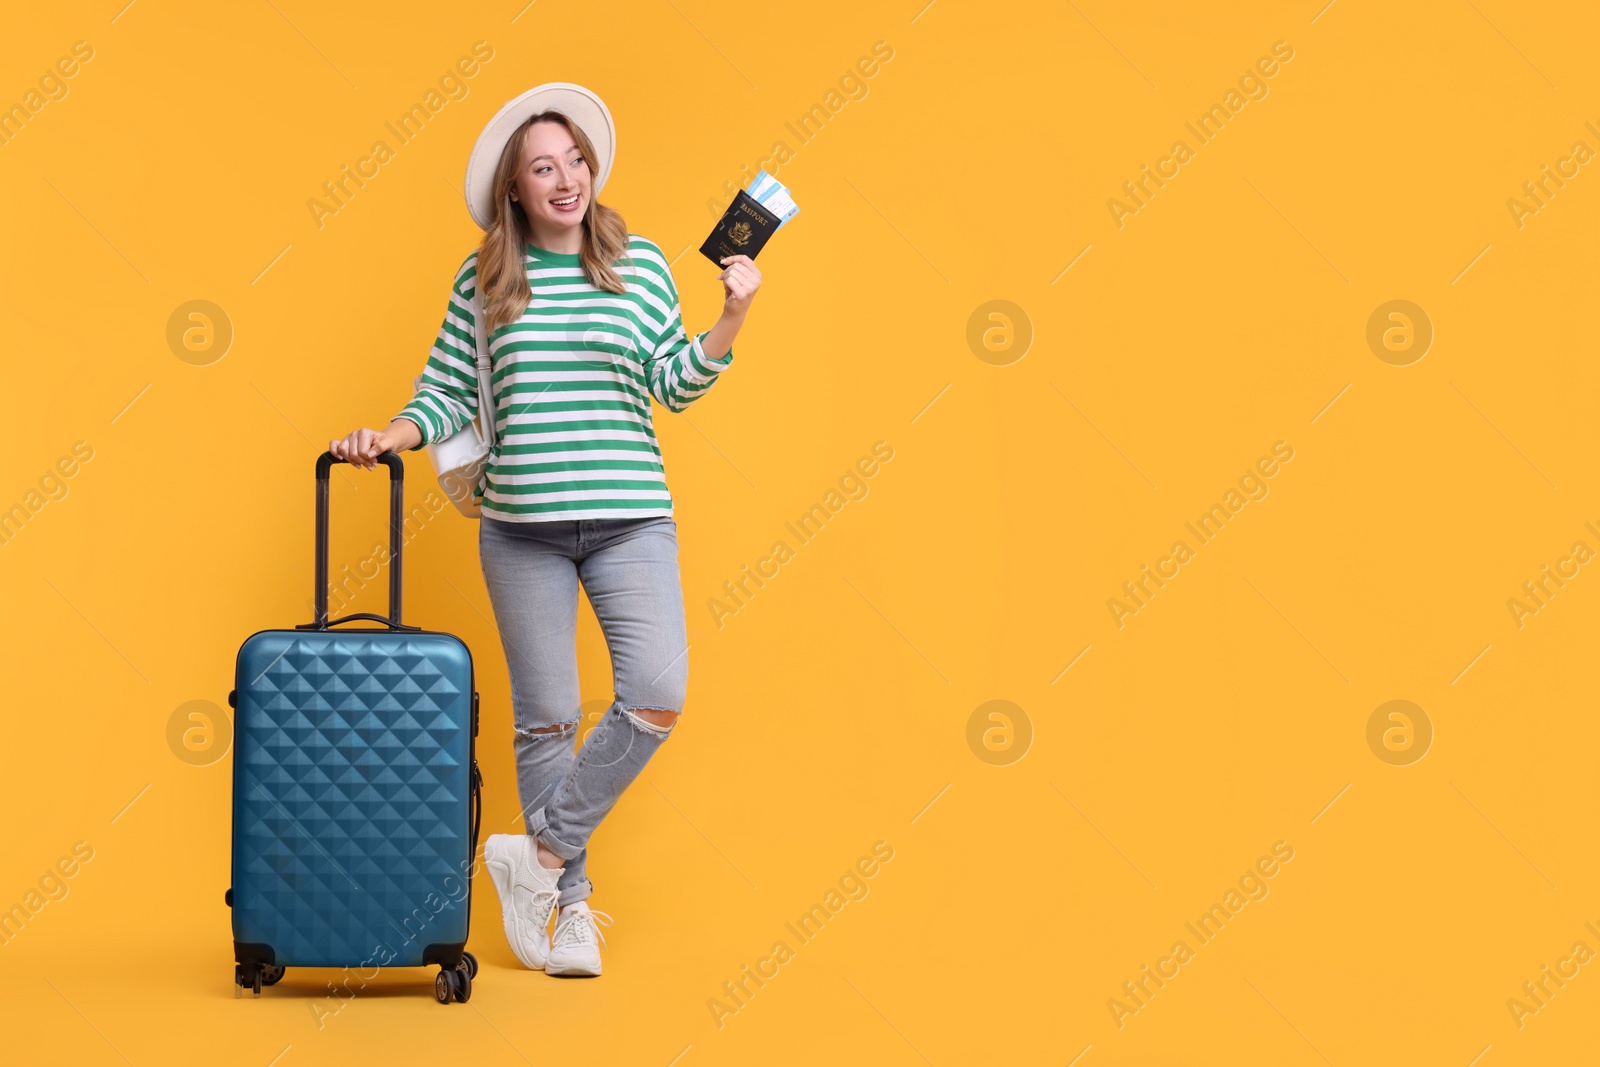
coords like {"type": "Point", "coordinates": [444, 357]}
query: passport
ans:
{"type": "Point", "coordinates": [743, 229]}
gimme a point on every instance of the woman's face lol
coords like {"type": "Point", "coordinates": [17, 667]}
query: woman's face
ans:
{"type": "Point", "coordinates": [553, 181]}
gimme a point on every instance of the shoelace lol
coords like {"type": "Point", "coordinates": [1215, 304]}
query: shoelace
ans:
{"type": "Point", "coordinates": [581, 927]}
{"type": "Point", "coordinates": [543, 899]}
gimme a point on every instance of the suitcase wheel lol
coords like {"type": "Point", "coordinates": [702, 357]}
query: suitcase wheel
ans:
{"type": "Point", "coordinates": [454, 984]}
{"type": "Point", "coordinates": [472, 964]}
{"type": "Point", "coordinates": [254, 977]}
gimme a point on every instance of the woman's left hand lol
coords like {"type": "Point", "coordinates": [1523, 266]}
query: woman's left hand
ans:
{"type": "Point", "coordinates": [740, 279]}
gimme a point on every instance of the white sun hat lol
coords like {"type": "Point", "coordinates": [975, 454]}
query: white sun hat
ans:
{"type": "Point", "coordinates": [586, 110]}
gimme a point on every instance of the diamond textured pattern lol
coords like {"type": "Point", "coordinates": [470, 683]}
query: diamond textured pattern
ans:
{"type": "Point", "coordinates": [351, 800]}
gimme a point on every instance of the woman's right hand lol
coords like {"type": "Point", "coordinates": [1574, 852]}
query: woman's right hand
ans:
{"type": "Point", "coordinates": [361, 448]}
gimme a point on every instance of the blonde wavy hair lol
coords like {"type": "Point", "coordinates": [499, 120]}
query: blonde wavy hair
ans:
{"type": "Point", "coordinates": [502, 274]}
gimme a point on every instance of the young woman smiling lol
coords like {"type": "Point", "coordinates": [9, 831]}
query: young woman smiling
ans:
{"type": "Point", "coordinates": [584, 329]}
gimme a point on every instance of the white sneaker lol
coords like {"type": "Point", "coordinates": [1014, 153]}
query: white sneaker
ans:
{"type": "Point", "coordinates": [575, 949]}
{"type": "Point", "coordinates": [527, 895]}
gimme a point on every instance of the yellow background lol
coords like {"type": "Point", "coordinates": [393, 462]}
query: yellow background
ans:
{"type": "Point", "coordinates": [832, 711]}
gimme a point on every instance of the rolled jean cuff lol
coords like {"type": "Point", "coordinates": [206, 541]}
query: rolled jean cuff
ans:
{"type": "Point", "coordinates": [574, 893]}
{"type": "Point", "coordinates": [539, 830]}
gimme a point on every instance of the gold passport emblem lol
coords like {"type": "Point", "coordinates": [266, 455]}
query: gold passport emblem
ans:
{"type": "Point", "coordinates": [740, 234]}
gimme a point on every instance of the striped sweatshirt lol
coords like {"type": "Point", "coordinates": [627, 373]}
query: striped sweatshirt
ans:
{"type": "Point", "coordinates": [572, 381]}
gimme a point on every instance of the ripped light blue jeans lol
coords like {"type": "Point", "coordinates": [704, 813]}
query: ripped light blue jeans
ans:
{"type": "Point", "coordinates": [629, 570]}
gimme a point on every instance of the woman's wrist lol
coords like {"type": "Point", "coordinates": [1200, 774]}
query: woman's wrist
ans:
{"type": "Point", "coordinates": [719, 340]}
{"type": "Point", "coordinates": [404, 433]}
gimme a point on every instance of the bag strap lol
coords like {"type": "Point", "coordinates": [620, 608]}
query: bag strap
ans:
{"type": "Point", "coordinates": [480, 323]}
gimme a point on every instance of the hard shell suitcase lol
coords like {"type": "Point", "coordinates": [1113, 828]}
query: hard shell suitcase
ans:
{"type": "Point", "coordinates": [356, 794]}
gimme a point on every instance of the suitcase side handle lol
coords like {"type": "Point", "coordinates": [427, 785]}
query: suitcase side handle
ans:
{"type": "Point", "coordinates": [397, 474]}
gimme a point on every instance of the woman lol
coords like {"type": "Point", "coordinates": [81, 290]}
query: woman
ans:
{"type": "Point", "coordinates": [584, 327]}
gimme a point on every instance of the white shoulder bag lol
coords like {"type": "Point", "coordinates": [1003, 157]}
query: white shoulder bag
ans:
{"type": "Point", "coordinates": [461, 459]}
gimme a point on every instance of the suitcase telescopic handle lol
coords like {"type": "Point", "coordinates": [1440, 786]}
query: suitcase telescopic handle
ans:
{"type": "Point", "coordinates": [397, 474]}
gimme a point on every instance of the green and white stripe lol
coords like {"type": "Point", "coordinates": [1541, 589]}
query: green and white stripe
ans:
{"type": "Point", "coordinates": [572, 384]}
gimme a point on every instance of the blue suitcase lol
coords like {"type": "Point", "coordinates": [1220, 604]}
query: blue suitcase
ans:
{"type": "Point", "coordinates": [356, 794]}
